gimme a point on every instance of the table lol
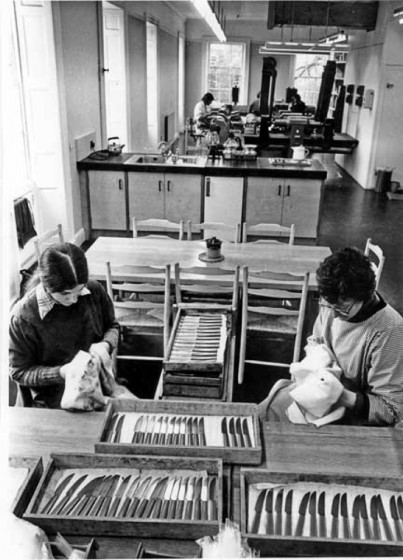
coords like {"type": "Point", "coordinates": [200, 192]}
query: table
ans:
{"type": "Point", "coordinates": [286, 448]}
{"type": "Point", "coordinates": [146, 251]}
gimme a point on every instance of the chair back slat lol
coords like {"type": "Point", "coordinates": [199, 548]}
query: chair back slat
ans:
{"type": "Point", "coordinates": [47, 238]}
{"type": "Point", "coordinates": [159, 225]}
{"type": "Point", "coordinates": [215, 227]}
{"type": "Point", "coordinates": [377, 258]}
{"type": "Point", "coordinates": [266, 231]}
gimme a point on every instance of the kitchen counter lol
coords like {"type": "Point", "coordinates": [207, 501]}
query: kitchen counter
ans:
{"type": "Point", "coordinates": [206, 166]}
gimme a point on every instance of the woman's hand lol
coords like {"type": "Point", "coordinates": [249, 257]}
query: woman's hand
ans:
{"type": "Point", "coordinates": [347, 399]}
{"type": "Point", "coordinates": [100, 349]}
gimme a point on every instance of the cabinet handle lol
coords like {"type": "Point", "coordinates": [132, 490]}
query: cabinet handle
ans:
{"type": "Point", "coordinates": [169, 186]}
{"type": "Point", "coordinates": [120, 184]}
{"type": "Point", "coordinates": [207, 187]}
{"type": "Point", "coordinates": [288, 190]}
{"type": "Point", "coordinates": [159, 186]}
{"type": "Point", "coordinates": [279, 190]}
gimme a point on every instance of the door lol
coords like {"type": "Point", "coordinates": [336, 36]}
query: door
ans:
{"type": "Point", "coordinates": [223, 203]}
{"type": "Point", "coordinates": [146, 195]}
{"type": "Point", "coordinates": [264, 201]}
{"type": "Point", "coordinates": [107, 200]}
{"type": "Point", "coordinates": [301, 204]}
{"type": "Point", "coordinates": [114, 72]}
{"type": "Point", "coordinates": [182, 197]}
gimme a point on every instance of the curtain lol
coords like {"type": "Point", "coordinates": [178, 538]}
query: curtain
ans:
{"type": "Point", "coordinates": [24, 220]}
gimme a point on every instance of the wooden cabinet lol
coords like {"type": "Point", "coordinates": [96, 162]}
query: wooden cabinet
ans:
{"type": "Point", "coordinates": [107, 200]}
{"type": "Point", "coordinates": [223, 202]}
{"type": "Point", "coordinates": [284, 202]}
{"type": "Point", "coordinates": [171, 196]}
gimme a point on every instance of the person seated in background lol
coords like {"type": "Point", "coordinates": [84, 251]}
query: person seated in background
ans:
{"type": "Point", "coordinates": [254, 107]}
{"type": "Point", "coordinates": [61, 313]}
{"type": "Point", "coordinates": [297, 105]}
{"type": "Point", "coordinates": [202, 111]}
{"type": "Point", "coordinates": [365, 336]}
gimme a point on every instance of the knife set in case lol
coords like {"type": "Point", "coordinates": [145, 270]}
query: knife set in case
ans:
{"type": "Point", "coordinates": [229, 431]}
{"type": "Point", "coordinates": [23, 477]}
{"type": "Point", "coordinates": [113, 495]}
{"type": "Point", "coordinates": [318, 514]}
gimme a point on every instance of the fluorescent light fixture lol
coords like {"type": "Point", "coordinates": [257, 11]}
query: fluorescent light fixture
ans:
{"type": "Point", "coordinates": [302, 48]}
{"type": "Point", "coordinates": [334, 39]}
{"type": "Point", "coordinates": [203, 7]}
{"type": "Point", "coordinates": [401, 21]}
{"type": "Point", "coordinates": [398, 12]}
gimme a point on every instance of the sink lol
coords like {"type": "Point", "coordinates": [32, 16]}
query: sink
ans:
{"type": "Point", "coordinates": [157, 159]}
{"type": "Point", "coordinates": [147, 158]}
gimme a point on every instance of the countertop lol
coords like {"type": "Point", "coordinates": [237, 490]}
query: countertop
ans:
{"type": "Point", "coordinates": [206, 166]}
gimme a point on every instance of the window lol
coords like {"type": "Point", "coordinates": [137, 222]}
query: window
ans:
{"type": "Point", "coordinates": [152, 84]}
{"type": "Point", "coordinates": [226, 68]}
{"type": "Point", "coordinates": [308, 76]}
{"type": "Point", "coordinates": [181, 83]}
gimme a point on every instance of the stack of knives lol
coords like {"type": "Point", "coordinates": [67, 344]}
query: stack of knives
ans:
{"type": "Point", "coordinates": [164, 429]}
{"type": "Point", "coordinates": [282, 511]}
{"type": "Point", "coordinates": [135, 496]}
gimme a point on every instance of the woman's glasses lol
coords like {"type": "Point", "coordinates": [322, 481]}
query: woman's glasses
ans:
{"type": "Point", "coordinates": [344, 311]}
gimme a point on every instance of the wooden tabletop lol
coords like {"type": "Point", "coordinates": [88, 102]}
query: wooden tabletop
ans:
{"type": "Point", "coordinates": [125, 252]}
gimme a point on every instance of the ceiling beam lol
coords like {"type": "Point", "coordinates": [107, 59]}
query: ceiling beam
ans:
{"type": "Point", "coordinates": [348, 15]}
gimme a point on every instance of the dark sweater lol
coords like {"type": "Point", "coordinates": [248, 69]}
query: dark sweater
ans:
{"type": "Point", "coordinates": [39, 347]}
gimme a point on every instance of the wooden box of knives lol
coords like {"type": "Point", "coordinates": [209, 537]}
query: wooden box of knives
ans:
{"type": "Point", "coordinates": [229, 431]}
{"type": "Point", "coordinates": [23, 477]}
{"type": "Point", "coordinates": [290, 514]}
{"type": "Point", "coordinates": [143, 496]}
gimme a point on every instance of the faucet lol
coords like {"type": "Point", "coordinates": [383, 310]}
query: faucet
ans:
{"type": "Point", "coordinates": [167, 147]}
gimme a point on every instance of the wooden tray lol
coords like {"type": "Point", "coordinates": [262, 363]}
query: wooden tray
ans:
{"type": "Point", "coordinates": [286, 543]}
{"type": "Point", "coordinates": [229, 454]}
{"type": "Point", "coordinates": [88, 550]}
{"type": "Point", "coordinates": [25, 491]}
{"type": "Point", "coordinates": [101, 465]}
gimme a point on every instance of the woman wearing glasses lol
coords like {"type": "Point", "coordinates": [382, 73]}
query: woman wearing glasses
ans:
{"type": "Point", "coordinates": [365, 335]}
{"type": "Point", "coordinates": [61, 313]}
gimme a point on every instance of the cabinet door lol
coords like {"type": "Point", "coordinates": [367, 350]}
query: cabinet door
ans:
{"type": "Point", "coordinates": [107, 200]}
{"type": "Point", "coordinates": [264, 200]}
{"type": "Point", "coordinates": [146, 195]}
{"type": "Point", "coordinates": [301, 206]}
{"type": "Point", "coordinates": [223, 203]}
{"type": "Point", "coordinates": [182, 197]}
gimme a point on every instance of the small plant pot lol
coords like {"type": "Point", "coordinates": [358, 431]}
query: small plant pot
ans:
{"type": "Point", "coordinates": [213, 247]}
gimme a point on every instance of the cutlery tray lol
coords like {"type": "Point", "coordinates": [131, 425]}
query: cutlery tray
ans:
{"type": "Point", "coordinates": [24, 477]}
{"type": "Point", "coordinates": [287, 514]}
{"type": "Point", "coordinates": [113, 495]}
{"type": "Point", "coordinates": [193, 429]}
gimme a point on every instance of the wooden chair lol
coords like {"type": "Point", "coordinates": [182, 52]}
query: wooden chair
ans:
{"type": "Point", "coordinates": [272, 303]}
{"type": "Point", "coordinates": [235, 230]}
{"type": "Point", "coordinates": [158, 225]}
{"type": "Point", "coordinates": [268, 231]}
{"type": "Point", "coordinates": [142, 303]}
{"type": "Point", "coordinates": [48, 238]}
{"type": "Point", "coordinates": [377, 258]}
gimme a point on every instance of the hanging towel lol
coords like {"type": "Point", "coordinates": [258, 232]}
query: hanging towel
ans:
{"type": "Point", "coordinates": [24, 220]}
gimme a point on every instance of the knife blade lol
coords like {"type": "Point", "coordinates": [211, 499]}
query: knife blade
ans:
{"type": "Point", "coordinates": [111, 428]}
{"type": "Point", "coordinates": [75, 506]}
{"type": "Point", "coordinates": [91, 497]}
{"type": "Point", "coordinates": [312, 512]}
{"type": "Point", "coordinates": [138, 494]}
{"type": "Point", "coordinates": [395, 517]}
{"type": "Point", "coordinates": [181, 498]}
{"type": "Point", "coordinates": [119, 494]}
{"type": "Point", "coordinates": [68, 495]}
{"type": "Point", "coordinates": [189, 498]}
{"type": "Point", "coordinates": [301, 514]}
{"type": "Point", "coordinates": [288, 513]}
{"type": "Point", "coordinates": [204, 498]}
{"type": "Point", "coordinates": [150, 430]}
{"type": "Point", "coordinates": [224, 431]}
{"type": "Point", "coordinates": [57, 493]}
{"type": "Point", "coordinates": [231, 429]}
{"type": "Point", "coordinates": [196, 498]}
{"type": "Point", "coordinates": [157, 429]}
{"type": "Point", "coordinates": [173, 499]}
{"type": "Point", "coordinates": [170, 431]}
{"type": "Point", "coordinates": [247, 439]}
{"type": "Point", "coordinates": [167, 497]}
{"type": "Point", "coordinates": [201, 432]}
{"type": "Point", "coordinates": [118, 429]}
{"type": "Point", "coordinates": [344, 514]}
{"type": "Point", "coordinates": [258, 511]}
{"type": "Point", "coordinates": [279, 512]}
{"type": "Point", "coordinates": [322, 515]}
{"type": "Point", "coordinates": [146, 497]}
{"type": "Point", "coordinates": [212, 500]}
{"type": "Point", "coordinates": [138, 435]}
{"type": "Point", "coordinates": [375, 520]}
{"type": "Point", "coordinates": [269, 525]}
{"type": "Point", "coordinates": [128, 498]}
{"type": "Point", "coordinates": [400, 506]}
{"type": "Point", "coordinates": [365, 520]}
{"type": "Point", "coordinates": [385, 522]}
{"type": "Point", "coordinates": [239, 433]}
{"type": "Point", "coordinates": [356, 516]}
{"type": "Point", "coordinates": [335, 517]}
{"type": "Point", "coordinates": [153, 508]}
{"type": "Point", "coordinates": [101, 508]}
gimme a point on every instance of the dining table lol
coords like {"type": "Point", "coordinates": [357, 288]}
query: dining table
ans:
{"type": "Point", "coordinates": [124, 253]}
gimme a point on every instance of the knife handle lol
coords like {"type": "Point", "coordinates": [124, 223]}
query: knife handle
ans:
{"type": "Point", "coordinates": [83, 508]}
{"type": "Point", "coordinates": [255, 523]}
{"type": "Point", "coordinates": [313, 526]}
{"type": "Point", "coordinates": [300, 526]}
{"type": "Point", "coordinates": [203, 510]}
{"type": "Point", "coordinates": [164, 509]}
{"type": "Point", "coordinates": [140, 509]}
{"type": "Point", "coordinates": [398, 530]}
{"type": "Point", "coordinates": [196, 509]}
{"type": "Point", "coordinates": [154, 439]}
{"type": "Point", "coordinates": [60, 505]}
{"type": "Point", "coordinates": [179, 509]}
{"type": "Point", "coordinates": [124, 507]}
{"type": "Point", "coordinates": [114, 506]}
{"type": "Point", "coordinates": [148, 438]}
{"type": "Point", "coordinates": [367, 530]}
{"type": "Point", "coordinates": [202, 440]}
{"type": "Point", "coordinates": [322, 526]}
{"type": "Point", "coordinates": [169, 439]}
{"type": "Point", "coordinates": [188, 509]}
{"type": "Point", "coordinates": [171, 509]}
{"type": "Point", "coordinates": [269, 524]}
{"type": "Point", "coordinates": [212, 510]}
{"type": "Point", "coordinates": [288, 526]}
{"type": "Point", "coordinates": [156, 512]}
{"type": "Point", "coordinates": [226, 440]}
{"type": "Point", "coordinates": [387, 529]}
{"type": "Point", "coordinates": [94, 512]}
{"type": "Point", "coordinates": [376, 531]}
{"type": "Point", "coordinates": [346, 528]}
{"type": "Point", "coordinates": [279, 527]}
{"type": "Point", "coordinates": [49, 505]}
{"type": "Point", "coordinates": [356, 528]}
{"type": "Point", "coordinates": [103, 510]}
{"type": "Point", "coordinates": [133, 506]}
{"type": "Point", "coordinates": [335, 528]}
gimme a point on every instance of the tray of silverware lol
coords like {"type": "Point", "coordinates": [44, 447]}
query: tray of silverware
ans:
{"type": "Point", "coordinates": [228, 431]}
{"type": "Point", "coordinates": [23, 476]}
{"type": "Point", "coordinates": [112, 495]}
{"type": "Point", "coordinates": [287, 514]}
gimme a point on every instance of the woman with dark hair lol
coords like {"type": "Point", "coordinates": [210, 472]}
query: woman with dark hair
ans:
{"type": "Point", "coordinates": [61, 313]}
{"type": "Point", "coordinates": [365, 336]}
{"type": "Point", "coordinates": [201, 112]}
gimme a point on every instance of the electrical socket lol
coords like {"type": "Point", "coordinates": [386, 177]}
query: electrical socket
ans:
{"type": "Point", "coordinates": [85, 144]}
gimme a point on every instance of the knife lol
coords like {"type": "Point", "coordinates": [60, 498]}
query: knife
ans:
{"type": "Point", "coordinates": [312, 513]}
{"type": "Point", "coordinates": [118, 429]}
{"type": "Point", "coordinates": [279, 510]}
{"type": "Point", "coordinates": [101, 507]}
{"type": "Point", "coordinates": [170, 432]}
{"type": "Point", "coordinates": [204, 498]}
{"type": "Point", "coordinates": [201, 432]}
{"type": "Point", "coordinates": [189, 432]}
{"type": "Point", "coordinates": [176, 431]}
{"type": "Point", "coordinates": [119, 494]}
{"type": "Point", "coordinates": [196, 498]}
{"type": "Point", "coordinates": [288, 513]}
{"type": "Point", "coordinates": [344, 514]}
{"type": "Point", "coordinates": [364, 515]}
{"type": "Point", "coordinates": [111, 428]}
{"type": "Point", "coordinates": [145, 498]}
{"type": "Point", "coordinates": [212, 500]}
{"type": "Point", "coordinates": [224, 431]}
{"type": "Point", "coordinates": [400, 506]}
{"type": "Point", "coordinates": [335, 517]}
{"type": "Point", "coordinates": [167, 496]}
{"type": "Point", "coordinates": [322, 515]}
{"type": "Point", "coordinates": [375, 521]}
{"type": "Point", "coordinates": [395, 517]}
{"type": "Point", "coordinates": [239, 432]}
{"type": "Point", "coordinates": [57, 493]}
{"type": "Point", "coordinates": [150, 430]}
{"type": "Point", "coordinates": [258, 511]}
{"type": "Point", "coordinates": [128, 498]}
{"type": "Point", "coordinates": [385, 522]}
{"type": "Point", "coordinates": [173, 499]}
{"type": "Point", "coordinates": [181, 498]}
{"type": "Point", "coordinates": [189, 498]}
{"type": "Point", "coordinates": [77, 504]}
{"type": "Point", "coordinates": [356, 516]}
{"type": "Point", "coordinates": [269, 512]}
{"type": "Point", "coordinates": [138, 434]}
{"type": "Point", "coordinates": [91, 496]}
{"type": "Point", "coordinates": [69, 493]}
{"type": "Point", "coordinates": [301, 514]}
{"type": "Point", "coordinates": [182, 432]}
{"type": "Point", "coordinates": [164, 431]}
{"type": "Point", "coordinates": [231, 429]}
{"type": "Point", "coordinates": [137, 495]}
{"type": "Point", "coordinates": [157, 429]}
{"type": "Point", "coordinates": [247, 439]}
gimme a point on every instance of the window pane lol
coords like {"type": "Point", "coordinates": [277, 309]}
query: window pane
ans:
{"type": "Point", "coordinates": [308, 76]}
{"type": "Point", "coordinates": [225, 70]}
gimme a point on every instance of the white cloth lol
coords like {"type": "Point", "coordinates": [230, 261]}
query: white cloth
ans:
{"type": "Point", "coordinates": [82, 386]}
